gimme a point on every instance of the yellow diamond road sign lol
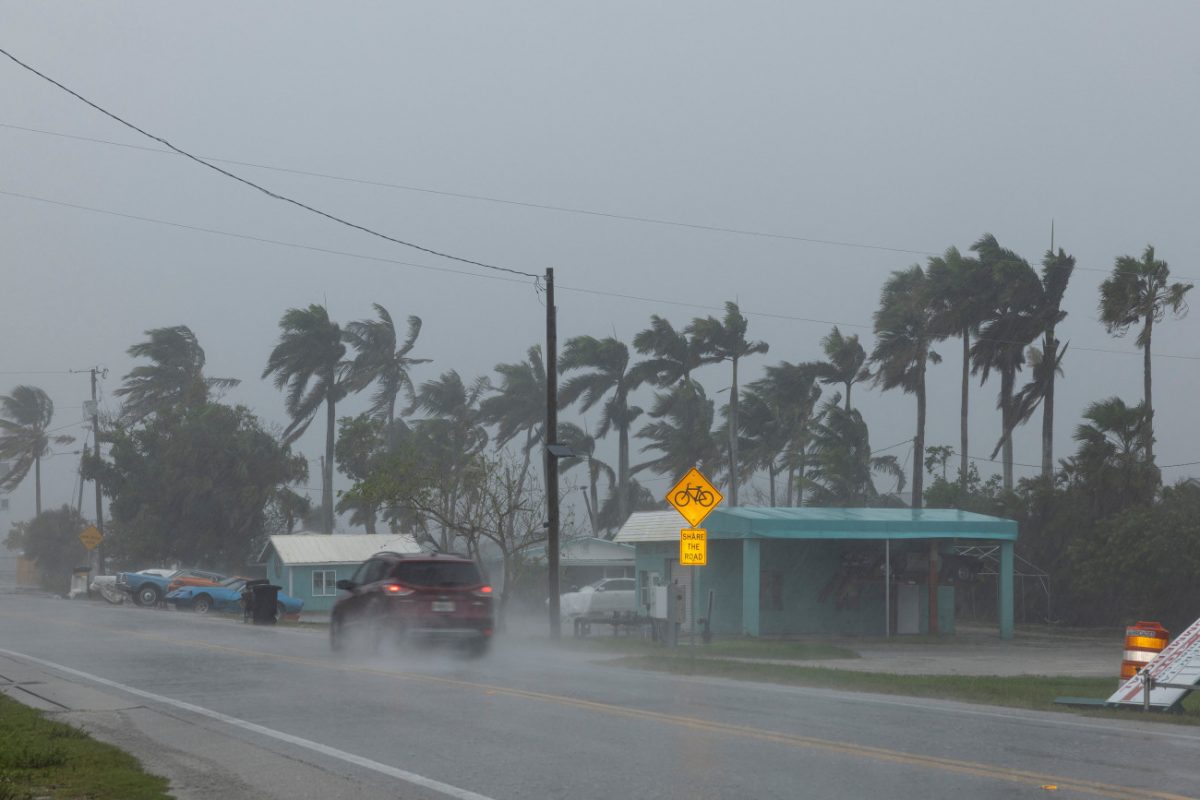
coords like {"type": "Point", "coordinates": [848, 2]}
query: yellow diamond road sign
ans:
{"type": "Point", "coordinates": [91, 537]}
{"type": "Point", "coordinates": [693, 547]}
{"type": "Point", "coordinates": [694, 497]}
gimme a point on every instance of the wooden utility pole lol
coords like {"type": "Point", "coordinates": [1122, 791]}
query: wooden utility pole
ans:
{"type": "Point", "coordinates": [96, 453]}
{"type": "Point", "coordinates": [549, 440]}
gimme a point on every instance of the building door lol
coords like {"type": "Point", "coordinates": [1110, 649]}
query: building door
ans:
{"type": "Point", "coordinates": [908, 608]}
{"type": "Point", "coordinates": [683, 577]}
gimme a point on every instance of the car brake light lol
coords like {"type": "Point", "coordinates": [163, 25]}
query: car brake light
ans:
{"type": "Point", "coordinates": [483, 591]}
{"type": "Point", "coordinates": [397, 589]}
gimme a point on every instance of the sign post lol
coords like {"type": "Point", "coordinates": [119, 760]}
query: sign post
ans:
{"type": "Point", "coordinates": [694, 497]}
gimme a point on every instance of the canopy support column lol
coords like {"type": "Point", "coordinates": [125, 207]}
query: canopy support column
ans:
{"type": "Point", "coordinates": [1004, 589]}
{"type": "Point", "coordinates": [751, 568]}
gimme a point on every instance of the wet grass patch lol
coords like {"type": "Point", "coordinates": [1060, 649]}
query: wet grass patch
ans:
{"type": "Point", "coordinates": [1030, 692]}
{"type": "Point", "coordinates": [783, 649]}
{"type": "Point", "coordinates": [41, 758]}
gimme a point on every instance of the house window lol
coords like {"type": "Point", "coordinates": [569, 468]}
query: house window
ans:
{"type": "Point", "coordinates": [324, 583]}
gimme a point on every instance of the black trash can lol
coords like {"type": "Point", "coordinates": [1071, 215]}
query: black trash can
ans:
{"type": "Point", "coordinates": [265, 600]}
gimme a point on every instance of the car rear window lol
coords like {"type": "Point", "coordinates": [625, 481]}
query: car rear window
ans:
{"type": "Point", "coordinates": [437, 573]}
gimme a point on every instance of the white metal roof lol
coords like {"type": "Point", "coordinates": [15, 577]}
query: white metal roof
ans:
{"type": "Point", "coordinates": [651, 526]}
{"type": "Point", "coordinates": [317, 548]}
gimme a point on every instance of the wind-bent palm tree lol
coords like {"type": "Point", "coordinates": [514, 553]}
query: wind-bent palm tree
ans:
{"type": "Point", "coordinates": [608, 360]}
{"type": "Point", "coordinates": [379, 359]}
{"type": "Point", "coordinates": [451, 439]}
{"type": "Point", "coordinates": [846, 364]}
{"type": "Point", "coordinates": [1112, 461]}
{"type": "Point", "coordinates": [25, 417]}
{"type": "Point", "coordinates": [518, 405]}
{"type": "Point", "coordinates": [777, 418]}
{"type": "Point", "coordinates": [1137, 291]}
{"type": "Point", "coordinates": [1046, 362]}
{"type": "Point", "coordinates": [1010, 325]}
{"type": "Point", "coordinates": [583, 443]}
{"type": "Point", "coordinates": [682, 432]}
{"type": "Point", "coordinates": [842, 470]}
{"type": "Point", "coordinates": [176, 376]}
{"type": "Point", "coordinates": [903, 334]}
{"type": "Point", "coordinates": [308, 360]}
{"type": "Point", "coordinates": [673, 354]}
{"type": "Point", "coordinates": [960, 297]}
{"type": "Point", "coordinates": [725, 340]}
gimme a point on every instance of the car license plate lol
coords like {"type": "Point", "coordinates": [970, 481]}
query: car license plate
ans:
{"type": "Point", "coordinates": [443, 605]}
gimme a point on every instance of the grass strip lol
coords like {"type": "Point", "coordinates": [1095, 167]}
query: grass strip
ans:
{"type": "Point", "coordinates": [41, 758]}
{"type": "Point", "coordinates": [732, 648]}
{"type": "Point", "coordinates": [1032, 692]}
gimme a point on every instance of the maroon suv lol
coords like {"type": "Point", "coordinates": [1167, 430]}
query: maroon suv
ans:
{"type": "Point", "coordinates": [402, 597]}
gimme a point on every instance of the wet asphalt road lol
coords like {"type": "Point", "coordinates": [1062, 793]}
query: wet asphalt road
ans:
{"type": "Point", "coordinates": [261, 712]}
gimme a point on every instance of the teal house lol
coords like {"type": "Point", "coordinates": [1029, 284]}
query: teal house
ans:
{"type": "Point", "coordinates": [309, 565]}
{"type": "Point", "coordinates": [834, 571]}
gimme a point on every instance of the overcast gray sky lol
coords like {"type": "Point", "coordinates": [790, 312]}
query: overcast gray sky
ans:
{"type": "Point", "coordinates": [912, 125]}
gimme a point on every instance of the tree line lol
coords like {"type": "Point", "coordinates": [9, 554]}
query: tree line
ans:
{"type": "Point", "coordinates": [455, 460]}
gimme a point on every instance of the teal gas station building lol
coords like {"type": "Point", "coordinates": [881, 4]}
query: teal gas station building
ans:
{"type": "Point", "coordinates": [811, 571]}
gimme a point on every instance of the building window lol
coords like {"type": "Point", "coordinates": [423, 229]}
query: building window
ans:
{"type": "Point", "coordinates": [324, 583]}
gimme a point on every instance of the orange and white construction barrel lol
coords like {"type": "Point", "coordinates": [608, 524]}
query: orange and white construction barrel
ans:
{"type": "Point", "coordinates": [1143, 641]}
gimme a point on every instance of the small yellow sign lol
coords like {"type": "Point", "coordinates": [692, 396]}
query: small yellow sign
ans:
{"type": "Point", "coordinates": [693, 547]}
{"type": "Point", "coordinates": [91, 537]}
{"type": "Point", "coordinates": [694, 497]}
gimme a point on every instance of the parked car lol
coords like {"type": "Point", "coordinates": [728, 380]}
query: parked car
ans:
{"type": "Point", "coordinates": [194, 577]}
{"type": "Point", "coordinates": [414, 597]}
{"type": "Point", "coordinates": [147, 586]}
{"type": "Point", "coordinates": [600, 599]}
{"type": "Point", "coordinates": [226, 596]}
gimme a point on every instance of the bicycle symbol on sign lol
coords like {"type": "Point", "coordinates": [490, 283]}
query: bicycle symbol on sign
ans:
{"type": "Point", "coordinates": [702, 496]}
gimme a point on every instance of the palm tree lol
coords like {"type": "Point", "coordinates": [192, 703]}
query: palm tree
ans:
{"type": "Point", "coordinates": [842, 470]}
{"type": "Point", "coordinates": [608, 360]}
{"type": "Point", "coordinates": [519, 405]}
{"type": "Point", "coordinates": [175, 377]}
{"type": "Point", "coordinates": [450, 440]}
{"type": "Point", "coordinates": [1112, 461]}
{"type": "Point", "coordinates": [379, 359]}
{"type": "Point", "coordinates": [674, 354]}
{"type": "Point", "coordinates": [1010, 324]}
{"type": "Point", "coordinates": [725, 340]}
{"type": "Point", "coordinates": [846, 361]}
{"type": "Point", "coordinates": [24, 437]}
{"type": "Point", "coordinates": [1046, 362]}
{"type": "Point", "coordinates": [682, 432]}
{"type": "Point", "coordinates": [583, 443]}
{"type": "Point", "coordinates": [777, 417]}
{"type": "Point", "coordinates": [1137, 291]}
{"type": "Point", "coordinates": [903, 334]}
{"type": "Point", "coordinates": [960, 296]}
{"type": "Point", "coordinates": [308, 361]}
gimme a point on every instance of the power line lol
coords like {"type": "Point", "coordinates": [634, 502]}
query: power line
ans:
{"type": "Point", "coordinates": [500, 200]}
{"type": "Point", "coordinates": [517, 203]}
{"type": "Point", "coordinates": [578, 289]}
{"type": "Point", "coordinates": [259, 187]}
{"type": "Point", "coordinates": [248, 237]}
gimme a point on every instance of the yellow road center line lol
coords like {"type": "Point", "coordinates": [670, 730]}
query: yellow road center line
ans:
{"type": "Point", "coordinates": [956, 766]}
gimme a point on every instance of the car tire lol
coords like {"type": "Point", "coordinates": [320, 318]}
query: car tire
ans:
{"type": "Point", "coordinates": [202, 604]}
{"type": "Point", "coordinates": [479, 648]}
{"type": "Point", "coordinates": [147, 596]}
